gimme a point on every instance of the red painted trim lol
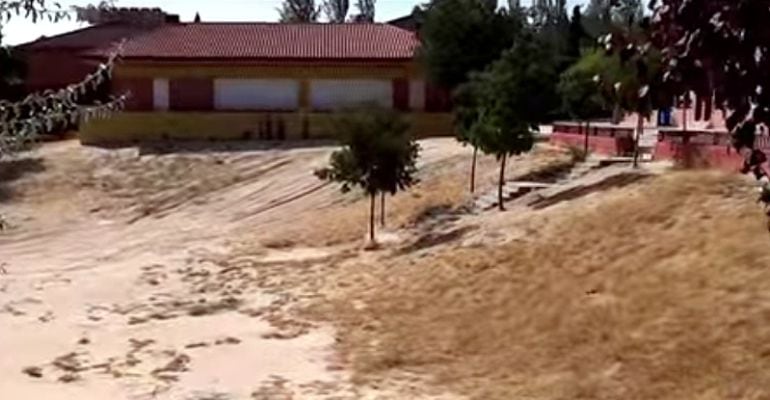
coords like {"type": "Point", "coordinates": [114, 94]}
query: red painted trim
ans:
{"type": "Point", "coordinates": [401, 94]}
{"type": "Point", "coordinates": [140, 92]}
{"type": "Point", "coordinates": [191, 94]}
{"type": "Point", "coordinates": [606, 145]}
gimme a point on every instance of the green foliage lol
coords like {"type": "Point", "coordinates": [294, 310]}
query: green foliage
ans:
{"type": "Point", "coordinates": [580, 87]}
{"type": "Point", "coordinates": [12, 72]}
{"type": "Point", "coordinates": [466, 112]}
{"type": "Point", "coordinates": [461, 36]}
{"type": "Point", "coordinates": [299, 11]}
{"type": "Point", "coordinates": [635, 72]}
{"type": "Point", "coordinates": [603, 16]}
{"type": "Point", "coordinates": [336, 10]}
{"type": "Point", "coordinates": [366, 10]}
{"type": "Point", "coordinates": [511, 98]}
{"type": "Point", "coordinates": [378, 153]}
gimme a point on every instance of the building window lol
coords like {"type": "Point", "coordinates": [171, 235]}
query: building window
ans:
{"type": "Point", "coordinates": [160, 94]}
{"type": "Point", "coordinates": [332, 94]}
{"type": "Point", "coordinates": [256, 94]}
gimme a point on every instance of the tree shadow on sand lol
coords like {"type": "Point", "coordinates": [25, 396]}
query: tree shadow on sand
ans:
{"type": "Point", "coordinates": [14, 169]}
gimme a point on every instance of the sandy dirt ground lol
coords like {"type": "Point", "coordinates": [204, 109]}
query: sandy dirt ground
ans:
{"type": "Point", "coordinates": [228, 271]}
{"type": "Point", "coordinates": [157, 273]}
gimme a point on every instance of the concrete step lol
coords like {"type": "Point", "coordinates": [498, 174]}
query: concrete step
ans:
{"type": "Point", "coordinates": [511, 190]}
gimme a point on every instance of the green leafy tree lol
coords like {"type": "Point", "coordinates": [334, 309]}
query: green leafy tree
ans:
{"type": "Point", "coordinates": [513, 96]}
{"type": "Point", "coordinates": [336, 10]}
{"type": "Point", "coordinates": [718, 51]}
{"type": "Point", "coordinates": [602, 15]}
{"type": "Point", "coordinates": [366, 10]}
{"type": "Point", "coordinates": [378, 155]}
{"type": "Point", "coordinates": [639, 85]}
{"type": "Point", "coordinates": [466, 113]}
{"type": "Point", "coordinates": [461, 36]}
{"type": "Point", "coordinates": [12, 72]}
{"type": "Point", "coordinates": [299, 11]}
{"type": "Point", "coordinates": [581, 91]}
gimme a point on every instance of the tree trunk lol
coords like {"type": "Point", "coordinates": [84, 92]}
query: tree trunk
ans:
{"type": "Point", "coordinates": [617, 114]}
{"type": "Point", "coordinates": [637, 136]}
{"type": "Point", "coordinates": [501, 183]}
{"type": "Point", "coordinates": [371, 216]}
{"type": "Point", "coordinates": [684, 117]}
{"type": "Point", "coordinates": [473, 169]}
{"type": "Point", "coordinates": [382, 209]}
{"type": "Point", "coordinates": [585, 144]}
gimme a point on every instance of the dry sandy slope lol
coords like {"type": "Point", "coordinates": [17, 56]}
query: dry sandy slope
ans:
{"type": "Point", "coordinates": [660, 290]}
{"type": "Point", "coordinates": [120, 279]}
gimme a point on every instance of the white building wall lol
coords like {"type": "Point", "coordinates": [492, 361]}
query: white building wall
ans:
{"type": "Point", "coordinates": [331, 94]}
{"type": "Point", "coordinates": [256, 94]}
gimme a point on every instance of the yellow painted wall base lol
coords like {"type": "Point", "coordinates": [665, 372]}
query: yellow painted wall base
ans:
{"type": "Point", "coordinates": [139, 126]}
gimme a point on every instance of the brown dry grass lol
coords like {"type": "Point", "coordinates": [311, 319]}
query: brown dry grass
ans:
{"type": "Point", "coordinates": [442, 187]}
{"type": "Point", "coordinates": [662, 291]}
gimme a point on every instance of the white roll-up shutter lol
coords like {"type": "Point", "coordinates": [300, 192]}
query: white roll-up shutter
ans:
{"type": "Point", "coordinates": [331, 94]}
{"type": "Point", "coordinates": [256, 94]}
{"type": "Point", "coordinates": [160, 94]}
{"type": "Point", "coordinates": [417, 95]}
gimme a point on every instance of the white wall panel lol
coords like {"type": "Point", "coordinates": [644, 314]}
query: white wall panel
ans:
{"type": "Point", "coordinates": [417, 95]}
{"type": "Point", "coordinates": [160, 94]}
{"type": "Point", "coordinates": [331, 94]}
{"type": "Point", "coordinates": [256, 94]}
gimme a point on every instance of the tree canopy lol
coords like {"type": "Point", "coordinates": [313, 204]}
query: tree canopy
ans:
{"type": "Point", "coordinates": [580, 87]}
{"type": "Point", "coordinates": [508, 100]}
{"type": "Point", "coordinates": [336, 10]}
{"type": "Point", "coordinates": [366, 10]}
{"type": "Point", "coordinates": [299, 11]}
{"type": "Point", "coordinates": [461, 36]}
{"type": "Point", "coordinates": [720, 50]}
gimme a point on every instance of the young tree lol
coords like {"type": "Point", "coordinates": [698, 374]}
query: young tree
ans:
{"type": "Point", "coordinates": [378, 155]}
{"type": "Point", "coordinates": [467, 112]}
{"type": "Point", "coordinates": [336, 10]}
{"type": "Point", "coordinates": [514, 95]}
{"type": "Point", "coordinates": [299, 11]}
{"type": "Point", "coordinates": [639, 88]}
{"type": "Point", "coordinates": [581, 91]}
{"type": "Point", "coordinates": [459, 37]}
{"type": "Point", "coordinates": [366, 10]}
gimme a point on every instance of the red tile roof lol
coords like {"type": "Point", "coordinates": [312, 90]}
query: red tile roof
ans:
{"type": "Point", "coordinates": [87, 38]}
{"type": "Point", "coordinates": [273, 41]}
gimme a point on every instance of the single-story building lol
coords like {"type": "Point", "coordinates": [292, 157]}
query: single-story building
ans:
{"type": "Point", "coordinates": [264, 80]}
{"type": "Point", "coordinates": [58, 61]}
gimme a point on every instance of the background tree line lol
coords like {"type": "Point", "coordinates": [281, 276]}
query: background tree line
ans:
{"type": "Point", "coordinates": [335, 11]}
